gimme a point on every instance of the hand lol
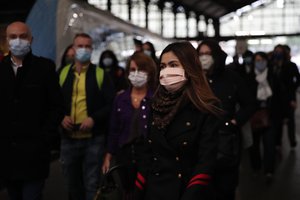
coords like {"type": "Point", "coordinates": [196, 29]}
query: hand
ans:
{"type": "Point", "coordinates": [87, 124]}
{"type": "Point", "coordinates": [106, 163]}
{"type": "Point", "coordinates": [67, 123]}
{"type": "Point", "coordinates": [233, 121]}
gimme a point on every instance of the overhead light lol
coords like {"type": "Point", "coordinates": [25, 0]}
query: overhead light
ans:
{"type": "Point", "coordinates": [266, 41]}
{"type": "Point", "coordinates": [75, 15]}
{"type": "Point", "coordinates": [246, 8]}
{"type": "Point", "coordinates": [253, 41]}
{"type": "Point", "coordinates": [280, 3]}
{"type": "Point", "coordinates": [236, 18]}
{"type": "Point", "coordinates": [241, 33]}
{"type": "Point", "coordinates": [257, 4]}
{"type": "Point", "coordinates": [257, 33]}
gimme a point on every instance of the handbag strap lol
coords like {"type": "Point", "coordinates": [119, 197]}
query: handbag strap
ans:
{"type": "Point", "coordinates": [109, 174]}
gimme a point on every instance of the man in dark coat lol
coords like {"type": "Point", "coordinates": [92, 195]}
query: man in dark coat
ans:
{"type": "Point", "coordinates": [31, 110]}
{"type": "Point", "coordinates": [286, 76]}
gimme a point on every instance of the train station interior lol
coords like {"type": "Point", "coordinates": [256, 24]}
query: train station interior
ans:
{"type": "Point", "coordinates": [239, 25]}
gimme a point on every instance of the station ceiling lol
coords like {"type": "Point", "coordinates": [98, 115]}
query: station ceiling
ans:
{"type": "Point", "coordinates": [12, 10]}
{"type": "Point", "coordinates": [213, 8]}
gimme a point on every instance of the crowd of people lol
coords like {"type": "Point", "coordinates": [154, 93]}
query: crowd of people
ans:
{"type": "Point", "coordinates": [174, 125]}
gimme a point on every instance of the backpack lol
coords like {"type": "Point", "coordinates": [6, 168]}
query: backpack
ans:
{"type": "Point", "coordinates": [64, 72]}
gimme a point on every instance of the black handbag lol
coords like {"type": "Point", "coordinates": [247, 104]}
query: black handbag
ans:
{"type": "Point", "coordinates": [110, 188]}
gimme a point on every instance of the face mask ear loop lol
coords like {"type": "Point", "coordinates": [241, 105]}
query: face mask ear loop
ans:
{"type": "Point", "coordinates": [183, 75]}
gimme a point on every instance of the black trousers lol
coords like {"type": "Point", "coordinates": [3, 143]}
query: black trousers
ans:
{"type": "Point", "coordinates": [289, 114]}
{"type": "Point", "coordinates": [267, 136]}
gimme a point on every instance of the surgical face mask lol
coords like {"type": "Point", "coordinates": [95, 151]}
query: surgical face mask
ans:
{"type": "Point", "coordinates": [260, 65]}
{"type": "Point", "coordinates": [83, 55]}
{"type": "Point", "coordinates": [19, 47]}
{"type": "Point", "coordinates": [147, 52]}
{"type": "Point", "coordinates": [206, 61]}
{"type": "Point", "coordinates": [138, 78]}
{"type": "Point", "coordinates": [172, 79]}
{"type": "Point", "coordinates": [107, 62]}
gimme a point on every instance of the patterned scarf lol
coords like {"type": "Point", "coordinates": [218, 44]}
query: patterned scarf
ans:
{"type": "Point", "coordinates": [165, 105]}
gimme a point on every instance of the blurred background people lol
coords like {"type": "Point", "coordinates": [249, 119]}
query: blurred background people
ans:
{"type": "Point", "coordinates": [149, 50]}
{"type": "Point", "coordinates": [138, 45]}
{"type": "Point", "coordinates": [286, 80]}
{"type": "Point", "coordinates": [109, 62]}
{"type": "Point", "coordinates": [261, 121]}
{"type": "Point", "coordinates": [129, 119]}
{"type": "Point", "coordinates": [67, 57]}
{"type": "Point", "coordinates": [243, 66]}
{"type": "Point", "coordinates": [231, 90]}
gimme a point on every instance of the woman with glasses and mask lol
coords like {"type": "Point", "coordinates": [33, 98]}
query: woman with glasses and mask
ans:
{"type": "Point", "coordinates": [129, 119]}
{"type": "Point", "coordinates": [180, 151]}
{"type": "Point", "coordinates": [238, 106]}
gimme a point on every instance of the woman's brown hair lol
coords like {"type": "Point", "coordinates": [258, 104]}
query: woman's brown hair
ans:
{"type": "Point", "coordinates": [197, 88]}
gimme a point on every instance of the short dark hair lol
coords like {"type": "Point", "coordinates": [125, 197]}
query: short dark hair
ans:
{"type": "Point", "coordinates": [85, 35]}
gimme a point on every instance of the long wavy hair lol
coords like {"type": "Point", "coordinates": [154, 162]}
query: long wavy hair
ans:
{"type": "Point", "coordinates": [197, 89]}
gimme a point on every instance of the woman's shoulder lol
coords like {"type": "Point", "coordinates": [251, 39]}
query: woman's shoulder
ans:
{"type": "Point", "coordinates": [122, 95]}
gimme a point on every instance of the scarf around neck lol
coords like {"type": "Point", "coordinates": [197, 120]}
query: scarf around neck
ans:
{"type": "Point", "coordinates": [165, 105]}
{"type": "Point", "coordinates": [264, 90]}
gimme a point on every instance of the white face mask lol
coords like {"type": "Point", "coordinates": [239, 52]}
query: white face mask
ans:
{"type": "Point", "coordinates": [206, 61]}
{"type": "Point", "coordinates": [172, 78]}
{"type": "Point", "coordinates": [147, 52]}
{"type": "Point", "coordinates": [138, 78]}
{"type": "Point", "coordinates": [107, 62]}
{"type": "Point", "coordinates": [19, 47]}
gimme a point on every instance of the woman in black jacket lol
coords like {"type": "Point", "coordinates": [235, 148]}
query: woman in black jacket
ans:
{"type": "Point", "coordinates": [109, 62]}
{"type": "Point", "coordinates": [181, 148]}
{"type": "Point", "coordinates": [238, 105]}
{"type": "Point", "coordinates": [262, 120]}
